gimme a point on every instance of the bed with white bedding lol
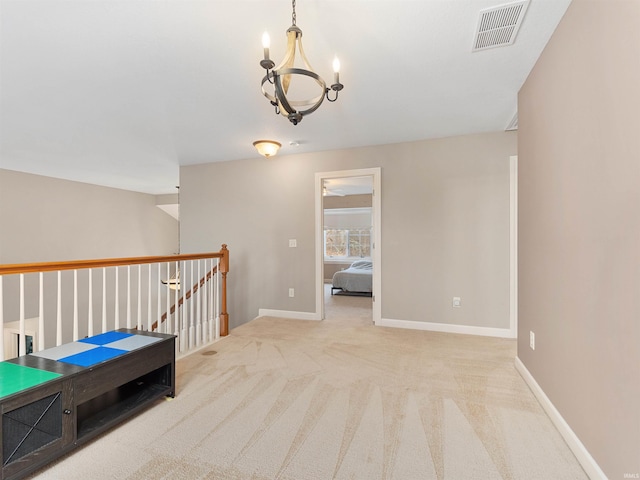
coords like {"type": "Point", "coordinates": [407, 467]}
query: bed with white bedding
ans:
{"type": "Point", "coordinates": [357, 278]}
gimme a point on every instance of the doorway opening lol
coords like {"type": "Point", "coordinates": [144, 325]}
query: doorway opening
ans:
{"type": "Point", "coordinates": [348, 250]}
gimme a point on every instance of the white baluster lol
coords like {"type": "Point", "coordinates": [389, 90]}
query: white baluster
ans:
{"type": "Point", "coordinates": [59, 311]}
{"type": "Point", "coordinates": [210, 303]}
{"type": "Point", "coordinates": [90, 314]}
{"type": "Point", "coordinates": [40, 314]}
{"type": "Point", "coordinates": [128, 296]}
{"type": "Point", "coordinates": [215, 291]}
{"type": "Point", "coordinates": [159, 329]}
{"type": "Point", "coordinates": [184, 315]}
{"type": "Point", "coordinates": [76, 334]}
{"type": "Point", "coordinates": [167, 324]}
{"type": "Point", "coordinates": [180, 308]}
{"type": "Point", "coordinates": [149, 313]}
{"type": "Point", "coordinates": [183, 307]}
{"type": "Point", "coordinates": [198, 309]}
{"type": "Point", "coordinates": [217, 297]}
{"type": "Point", "coordinates": [1, 321]}
{"type": "Point", "coordinates": [212, 300]}
{"type": "Point", "coordinates": [176, 292]}
{"type": "Point", "coordinates": [116, 313]}
{"type": "Point", "coordinates": [205, 303]}
{"type": "Point", "coordinates": [184, 310]}
{"type": "Point", "coordinates": [139, 321]}
{"type": "Point", "coordinates": [22, 345]}
{"type": "Point", "coordinates": [191, 305]}
{"type": "Point", "coordinates": [104, 300]}
{"type": "Point", "coordinates": [207, 334]}
{"type": "Point", "coordinates": [205, 294]}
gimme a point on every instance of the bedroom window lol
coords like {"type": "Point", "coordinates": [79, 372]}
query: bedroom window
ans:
{"type": "Point", "coordinates": [345, 243]}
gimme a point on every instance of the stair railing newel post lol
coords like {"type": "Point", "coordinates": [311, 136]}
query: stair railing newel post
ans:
{"type": "Point", "coordinates": [224, 269]}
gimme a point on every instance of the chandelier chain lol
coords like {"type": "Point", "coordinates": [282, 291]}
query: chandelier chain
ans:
{"type": "Point", "coordinates": [293, 14]}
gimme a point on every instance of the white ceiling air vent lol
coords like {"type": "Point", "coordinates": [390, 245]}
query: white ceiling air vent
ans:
{"type": "Point", "coordinates": [498, 26]}
{"type": "Point", "coordinates": [513, 124]}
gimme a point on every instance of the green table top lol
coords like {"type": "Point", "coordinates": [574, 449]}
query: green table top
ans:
{"type": "Point", "coordinates": [15, 378]}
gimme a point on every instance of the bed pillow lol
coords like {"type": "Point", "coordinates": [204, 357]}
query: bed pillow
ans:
{"type": "Point", "coordinates": [363, 264]}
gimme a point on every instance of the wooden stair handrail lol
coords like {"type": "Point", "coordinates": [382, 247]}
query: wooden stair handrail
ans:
{"type": "Point", "coordinates": [9, 269]}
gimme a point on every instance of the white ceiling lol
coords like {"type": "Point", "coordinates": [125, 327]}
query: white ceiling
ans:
{"type": "Point", "coordinates": [121, 93]}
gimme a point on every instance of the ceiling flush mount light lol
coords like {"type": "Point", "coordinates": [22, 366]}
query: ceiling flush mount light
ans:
{"type": "Point", "coordinates": [282, 77]}
{"type": "Point", "coordinates": [267, 148]}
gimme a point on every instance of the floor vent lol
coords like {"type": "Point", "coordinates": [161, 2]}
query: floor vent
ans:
{"type": "Point", "coordinates": [498, 26]}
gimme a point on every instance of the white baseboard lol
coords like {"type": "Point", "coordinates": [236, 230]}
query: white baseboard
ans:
{"type": "Point", "coordinates": [265, 312]}
{"type": "Point", "coordinates": [579, 450]}
{"type": "Point", "coordinates": [447, 328]}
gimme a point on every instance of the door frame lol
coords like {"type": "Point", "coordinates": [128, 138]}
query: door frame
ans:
{"type": "Point", "coordinates": [513, 245]}
{"type": "Point", "coordinates": [376, 204]}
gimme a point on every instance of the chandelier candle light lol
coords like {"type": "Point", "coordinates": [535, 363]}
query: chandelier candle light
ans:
{"type": "Point", "coordinates": [281, 77]}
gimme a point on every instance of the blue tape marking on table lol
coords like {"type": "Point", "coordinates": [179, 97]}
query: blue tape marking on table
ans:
{"type": "Point", "coordinates": [93, 357]}
{"type": "Point", "coordinates": [105, 338]}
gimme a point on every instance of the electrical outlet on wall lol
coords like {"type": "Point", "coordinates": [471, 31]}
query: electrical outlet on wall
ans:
{"type": "Point", "coordinates": [292, 292]}
{"type": "Point", "coordinates": [457, 302]}
{"type": "Point", "coordinates": [532, 340]}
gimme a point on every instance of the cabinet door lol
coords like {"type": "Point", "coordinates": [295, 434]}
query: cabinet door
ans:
{"type": "Point", "coordinates": [36, 426]}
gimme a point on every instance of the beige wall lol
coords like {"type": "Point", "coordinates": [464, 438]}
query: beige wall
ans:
{"type": "Point", "coordinates": [47, 219]}
{"type": "Point", "coordinates": [579, 227]}
{"type": "Point", "coordinates": [445, 227]}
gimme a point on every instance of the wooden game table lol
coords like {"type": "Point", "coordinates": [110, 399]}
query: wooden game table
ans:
{"type": "Point", "coordinates": [54, 400]}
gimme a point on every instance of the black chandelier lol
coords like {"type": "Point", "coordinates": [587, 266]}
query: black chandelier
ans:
{"type": "Point", "coordinates": [282, 75]}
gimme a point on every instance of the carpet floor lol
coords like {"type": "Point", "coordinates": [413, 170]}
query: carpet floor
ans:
{"type": "Point", "coordinates": [338, 399]}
